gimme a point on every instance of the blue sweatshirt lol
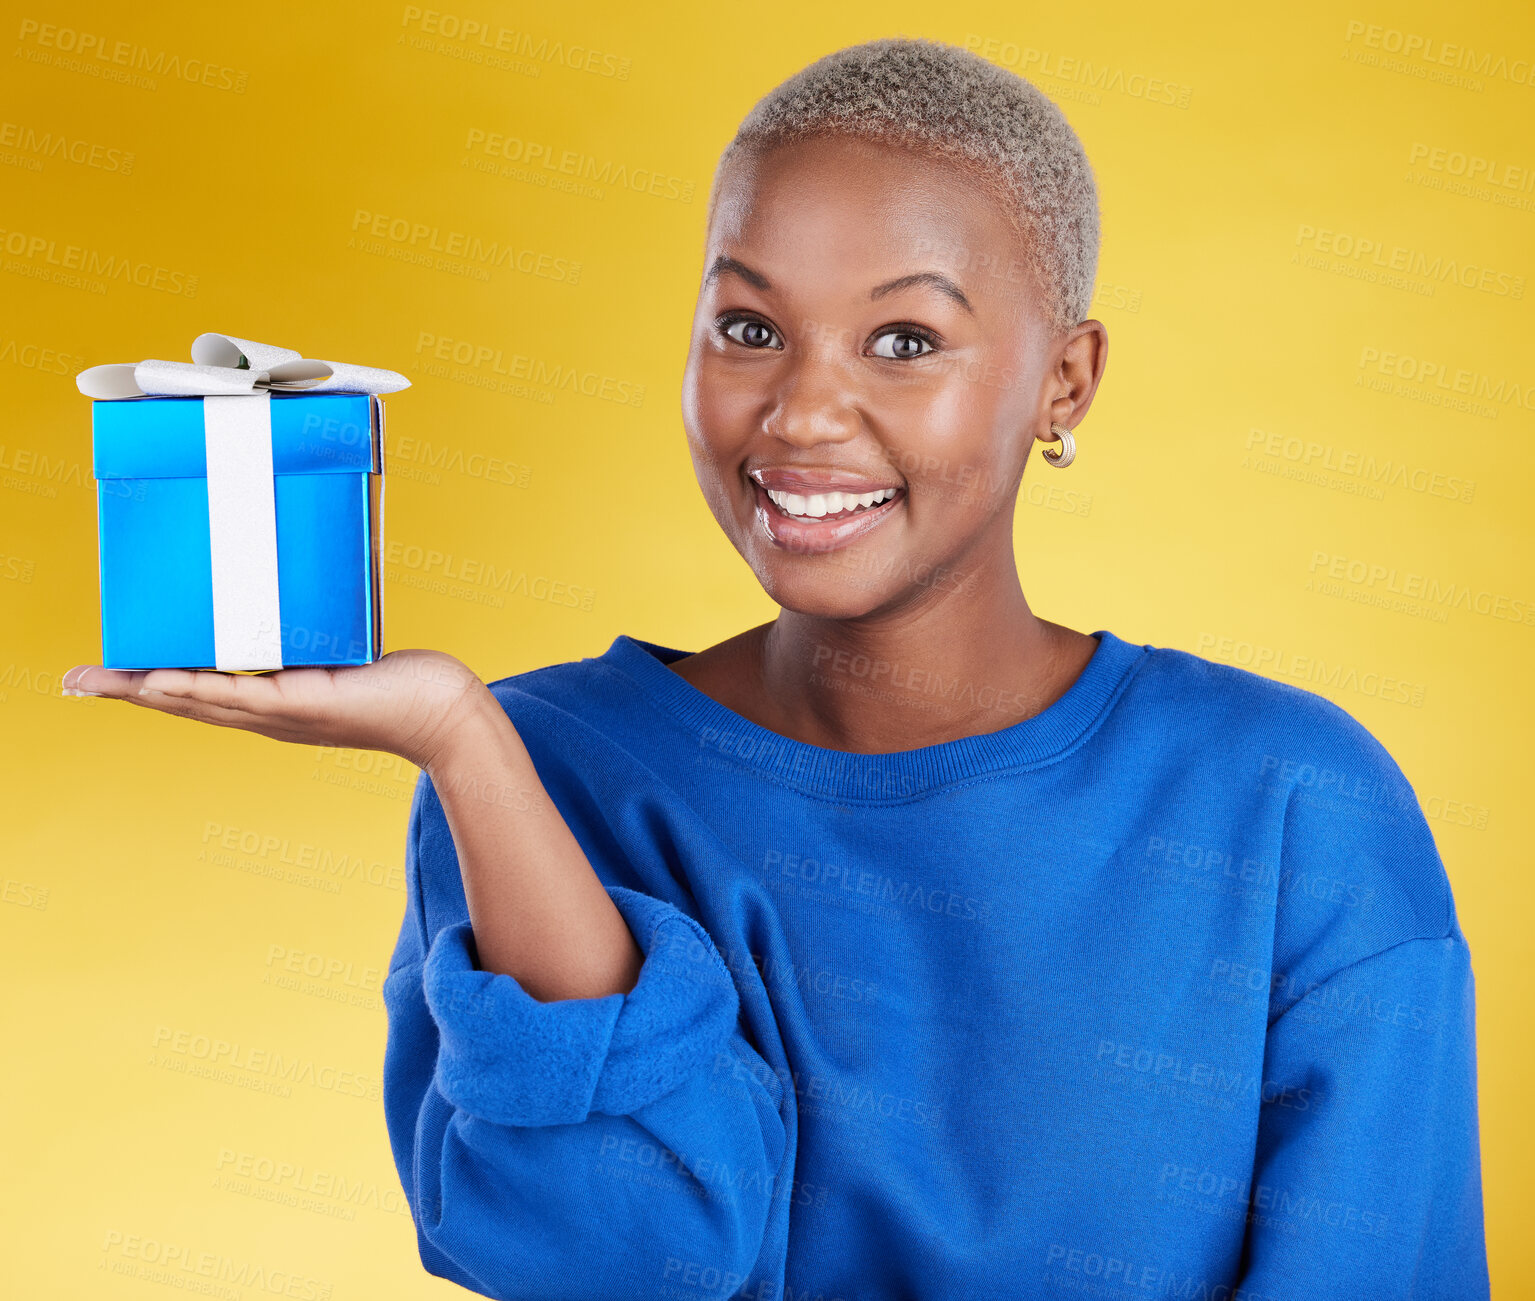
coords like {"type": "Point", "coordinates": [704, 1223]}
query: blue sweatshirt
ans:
{"type": "Point", "coordinates": [1159, 993]}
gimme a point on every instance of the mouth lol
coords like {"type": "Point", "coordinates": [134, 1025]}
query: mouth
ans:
{"type": "Point", "coordinates": [816, 522]}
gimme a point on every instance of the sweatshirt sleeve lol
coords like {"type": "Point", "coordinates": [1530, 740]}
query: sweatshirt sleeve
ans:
{"type": "Point", "coordinates": [612, 1147]}
{"type": "Point", "coordinates": [1367, 1163]}
{"type": "Point", "coordinates": [1367, 1178]}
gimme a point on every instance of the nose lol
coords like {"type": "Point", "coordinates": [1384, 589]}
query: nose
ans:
{"type": "Point", "coordinates": [816, 400]}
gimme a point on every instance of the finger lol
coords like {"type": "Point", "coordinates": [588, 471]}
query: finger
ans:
{"type": "Point", "coordinates": [252, 694]}
{"type": "Point", "coordinates": [197, 710]}
{"type": "Point", "coordinates": [94, 680]}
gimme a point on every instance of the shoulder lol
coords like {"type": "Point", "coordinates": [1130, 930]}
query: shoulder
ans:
{"type": "Point", "coordinates": [1356, 866]}
{"type": "Point", "coordinates": [1296, 738]}
{"type": "Point", "coordinates": [567, 681]}
{"type": "Point", "coordinates": [553, 707]}
{"type": "Point", "coordinates": [592, 693]}
{"type": "Point", "coordinates": [1208, 692]}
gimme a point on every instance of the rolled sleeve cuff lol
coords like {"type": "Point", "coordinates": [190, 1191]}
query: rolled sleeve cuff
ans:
{"type": "Point", "coordinates": [510, 1059]}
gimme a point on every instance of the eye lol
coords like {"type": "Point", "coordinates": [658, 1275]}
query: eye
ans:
{"type": "Point", "coordinates": [748, 331]}
{"type": "Point", "coordinates": [904, 342]}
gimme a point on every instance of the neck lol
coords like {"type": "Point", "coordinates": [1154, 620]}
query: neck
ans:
{"type": "Point", "coordinates": [958, 663]}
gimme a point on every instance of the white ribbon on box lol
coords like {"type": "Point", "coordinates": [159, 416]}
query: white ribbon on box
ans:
{"type": "Point", "coordinates": [235, 378]}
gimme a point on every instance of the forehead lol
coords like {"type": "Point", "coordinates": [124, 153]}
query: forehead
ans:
{"type": "Point", "coordinates": [836, 210]}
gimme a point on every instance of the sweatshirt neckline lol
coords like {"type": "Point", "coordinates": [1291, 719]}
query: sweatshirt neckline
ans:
{"type": "Point", "coordinates": [847, 775]}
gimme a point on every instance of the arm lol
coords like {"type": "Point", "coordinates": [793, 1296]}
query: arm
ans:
{"type": "Point", "coordinates": [1372, 1185]}
{"type": "Point", "coordinates": [609, 1131]}
{"type": "Point", "coordinates": [537, 910]}
{"type": "Point", "coordinates": [1366, 1178]}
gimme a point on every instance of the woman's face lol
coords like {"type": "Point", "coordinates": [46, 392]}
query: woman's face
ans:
{"type": "Point", "coordinates": [867, 325]}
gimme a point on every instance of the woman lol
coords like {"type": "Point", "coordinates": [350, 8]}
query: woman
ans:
{"type": "Point", "coordinates": [909, 945]}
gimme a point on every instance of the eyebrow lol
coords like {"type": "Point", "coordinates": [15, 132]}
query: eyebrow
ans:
{"type": "Point", "coordinates": [936, 279]}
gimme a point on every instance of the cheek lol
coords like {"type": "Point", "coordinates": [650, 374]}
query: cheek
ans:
{"type": "Point", "coordinates": [716, 443]}
{"type": "Point", "coordinates": [952, 427]}
{"type": "Point", "coordinates": [735, 402]}
{"type": "Point", "coordinates": [719, 407]}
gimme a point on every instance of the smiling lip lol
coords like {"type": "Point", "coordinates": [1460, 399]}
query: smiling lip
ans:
{"type": "Point", "coordinates": [808, 483]}
{"type": "Point", "coordinates": [816, 535]}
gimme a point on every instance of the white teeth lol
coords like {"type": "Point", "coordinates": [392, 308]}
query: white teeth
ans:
{"type": "Point", "coordinates": [827, 503]}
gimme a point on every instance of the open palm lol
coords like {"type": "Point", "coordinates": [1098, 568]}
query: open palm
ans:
{"type": "Point", "coordinates": [406, 702]}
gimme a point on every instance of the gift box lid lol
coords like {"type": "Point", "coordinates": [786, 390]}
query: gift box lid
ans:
{"type": "Point", "coordinates": [312, 433]}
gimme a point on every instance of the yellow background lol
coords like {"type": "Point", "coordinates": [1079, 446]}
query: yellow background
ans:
{"type": "Point", "coordinates": [161, 877]}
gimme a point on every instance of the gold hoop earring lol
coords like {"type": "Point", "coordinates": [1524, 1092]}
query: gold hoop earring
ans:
{"type": "Point", "coordinates": [1064, 457]}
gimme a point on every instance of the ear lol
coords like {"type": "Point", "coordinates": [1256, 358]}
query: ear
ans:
{"type": "Point", "coordinates": [1077, 366]}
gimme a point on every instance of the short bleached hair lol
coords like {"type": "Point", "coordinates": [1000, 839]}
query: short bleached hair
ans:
{"type": "Point", "coordinates": [949, 103]}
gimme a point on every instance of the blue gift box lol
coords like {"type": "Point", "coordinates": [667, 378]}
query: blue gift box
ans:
{"type": "Point", "coordinates": [157, 608]}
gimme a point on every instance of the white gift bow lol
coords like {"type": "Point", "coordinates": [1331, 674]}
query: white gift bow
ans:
{"type": "Point", "coordinates": [226, 364]}
{"type": "Point", "coordinates": [235, 378]}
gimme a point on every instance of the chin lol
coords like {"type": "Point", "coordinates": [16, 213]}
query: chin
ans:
{"type": "Point", "coordinates": [826, 587]}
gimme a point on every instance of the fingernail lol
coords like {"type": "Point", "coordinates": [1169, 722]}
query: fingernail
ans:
{"type": "Point", "coordinates": [150, 691]}
{"type": "Point", "coordinates": [75, 691]}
